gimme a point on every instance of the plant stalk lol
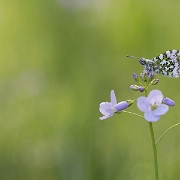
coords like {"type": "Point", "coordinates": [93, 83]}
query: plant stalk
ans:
{"type": "Point", "coordinates": [154, 151]}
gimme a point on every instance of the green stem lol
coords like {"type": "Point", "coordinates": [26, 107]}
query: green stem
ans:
{"type": "Point", "coordinates": [153, 144]}
{"type": "Point", "coordinates": [133, 114]}
{"type": "Point", "coordinates": [148, 86]}
{"type": "Point", "coordinates": [166, 132]}
{"type": "Point", "coordinates": [145, 92]}
{"type": "Point", "coordinates": [154, 151]}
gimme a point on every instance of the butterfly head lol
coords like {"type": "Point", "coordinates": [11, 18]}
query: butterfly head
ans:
{"type": "Point", "coordinates": [142, 61]}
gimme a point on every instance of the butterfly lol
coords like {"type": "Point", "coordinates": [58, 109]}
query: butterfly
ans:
{"type": "Point", "coordinates": [167, 63]}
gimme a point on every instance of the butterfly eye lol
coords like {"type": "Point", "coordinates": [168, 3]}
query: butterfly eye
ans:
{"type": "Point", "coordinates": [142, 61]}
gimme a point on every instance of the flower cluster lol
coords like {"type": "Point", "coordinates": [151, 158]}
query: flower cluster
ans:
{"type": "Point", "coordinates": [153, 105]}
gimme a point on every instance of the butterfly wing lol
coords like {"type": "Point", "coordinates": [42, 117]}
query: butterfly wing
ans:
{"type": "Point", "coordinates": [167, 63]}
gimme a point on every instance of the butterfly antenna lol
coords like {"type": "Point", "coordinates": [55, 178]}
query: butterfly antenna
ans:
{"type": "Point", "coordinates": [132, 57]}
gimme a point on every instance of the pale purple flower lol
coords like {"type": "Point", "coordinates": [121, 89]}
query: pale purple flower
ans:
{"type": "Point", "coordinates": [109, 108]}
{"type": "Point", "coordinates": [168, 101]}
{"type": "Point", "coordinates": [152, 106]}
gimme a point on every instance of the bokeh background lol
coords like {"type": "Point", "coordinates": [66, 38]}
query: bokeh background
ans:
{"type": "Point", "coordinates": [59, 59]}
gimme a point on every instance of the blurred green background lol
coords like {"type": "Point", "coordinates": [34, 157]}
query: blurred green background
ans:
{"type": "Point", "coordinates": [59, 59]}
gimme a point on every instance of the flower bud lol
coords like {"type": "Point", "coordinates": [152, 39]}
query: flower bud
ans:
{"type": "Point", "coordinates": [120, 106]}
{"type": "Point", "coordinates": [141, 89]}
{"type": "Point", "coordinates": [168, 101]}
{"type": "Point", "coordinates": [150, 77]}
{"type": "Point", "coordinates": [135, 77]}
{"type": "Point", "coordinates": [155, 81]}
{"type": "Point", "coordinates": [134, 87]}
{"type": "Point", "coordinates": [142, 75]}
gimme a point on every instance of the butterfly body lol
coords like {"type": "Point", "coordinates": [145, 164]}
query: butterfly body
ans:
{"type": "Point", "coordinates": [167, 64]}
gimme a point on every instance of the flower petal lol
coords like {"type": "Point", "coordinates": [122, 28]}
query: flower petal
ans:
{"type": "Point", "coordinates": [105, 117]}
{"type": "Point", "coordinates": [162, 109]}
{"type": "Point", "coordinates": [143, 104]}
{"type": "Point", "coordinates": [113, 98]}
{"type": "Point", "coordinates": [150, 117]}
{"type": "Point", "coordinates": [155, 96]}
{"type": "Point", "coordinates": [106, 108]}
